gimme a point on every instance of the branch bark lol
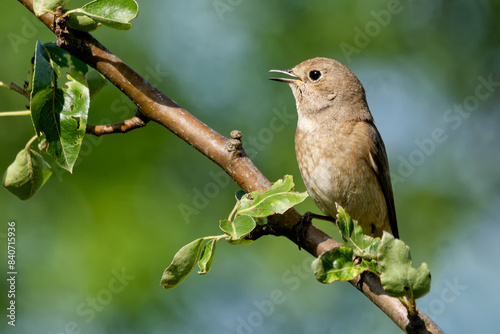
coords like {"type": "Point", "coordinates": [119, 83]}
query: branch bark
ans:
{"type": "Point", "coordinates": [156, 106]}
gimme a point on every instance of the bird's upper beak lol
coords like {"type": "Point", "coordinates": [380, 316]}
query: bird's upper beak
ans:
{"type": "Point", "coordinates": [287, 80]}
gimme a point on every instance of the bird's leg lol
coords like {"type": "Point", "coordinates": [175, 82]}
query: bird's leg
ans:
{"type": "Point", "coordinates": [321, 217]}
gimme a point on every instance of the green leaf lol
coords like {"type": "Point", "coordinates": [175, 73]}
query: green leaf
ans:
{"type": "Point", "coordinates": [112, 13]}
{"type": "Point", "coordinates": [352, 235]}
{"type": "Point", "coordinates": [398, 277]}
{"type": "Point", "coordinates": [59, 113]}
{"type": "Point", "coordinates": [239, 227]}
{"type": "Point", "coordinates": [82, 22]}
{"type": "Point", "coordinates": [95, 81]}
{"type": "Point", "coordinates": [337, 265]}
{"type": "Point", "coordinates": [182, 264]}
{"type": "Point", "coordinates": [276, 199]}
{"type": "Point", "coordinates": [43, 73]}
{"type": "Point", "coordinates": [42, 6]}
{"type": "Point", "coordinates": [27, 174]}
{"type": "Point", "coordinates": [62, 60]}
{"type": "Point", "coordinates": [75, 69]}
{"type": "Point", "coordinates": [207, 256]}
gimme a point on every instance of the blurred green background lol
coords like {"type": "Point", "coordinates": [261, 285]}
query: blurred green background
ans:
{"type": "Point", "coordinates": [92, 245]}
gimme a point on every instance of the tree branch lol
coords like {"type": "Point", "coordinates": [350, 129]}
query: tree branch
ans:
{"type": "Point", "coordinates": [226, 153]}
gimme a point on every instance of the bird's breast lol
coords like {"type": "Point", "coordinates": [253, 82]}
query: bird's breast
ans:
{"type": "Point", "coordinates": [335, 166]}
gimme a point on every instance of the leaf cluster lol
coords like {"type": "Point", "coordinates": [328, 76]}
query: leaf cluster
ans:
{"type": "Point", "coordinates": [114, 14]}
{"type": "Point", "coordinates": [59, 91]}
{"type": "Point", "coordinates": [388, 258]}
{"type": "Point", "coordinates": [250, 210]}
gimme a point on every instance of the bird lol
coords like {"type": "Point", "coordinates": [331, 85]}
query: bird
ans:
{"type": "Point", "coordinates": [340, 153]}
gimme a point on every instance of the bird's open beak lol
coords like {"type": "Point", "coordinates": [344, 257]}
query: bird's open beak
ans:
{"type": "Point", "coordinates": [287, 80]}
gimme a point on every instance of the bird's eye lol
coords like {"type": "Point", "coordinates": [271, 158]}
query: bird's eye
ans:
{"type": "Point", "coordinates": [314, 75]}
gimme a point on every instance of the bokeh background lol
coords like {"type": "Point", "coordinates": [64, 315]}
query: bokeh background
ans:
{"type": "Point", "coordinates": [92, 245]}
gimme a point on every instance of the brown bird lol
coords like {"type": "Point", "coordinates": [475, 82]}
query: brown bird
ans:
{"type": "Point", "coordinates": [339, 150]}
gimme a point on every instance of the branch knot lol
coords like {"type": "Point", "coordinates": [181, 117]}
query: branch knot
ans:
{"type": "Point", "coordinates": [234, 144]}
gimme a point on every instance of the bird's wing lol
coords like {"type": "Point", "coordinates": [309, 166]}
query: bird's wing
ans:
{"type": "Point", "coordinates": [381, 168]}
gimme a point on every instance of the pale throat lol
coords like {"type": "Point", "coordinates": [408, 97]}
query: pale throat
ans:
{"type": "Point", "coordinates": [306, 124]}
{"type": "Point", "coordinates": [313, 123]}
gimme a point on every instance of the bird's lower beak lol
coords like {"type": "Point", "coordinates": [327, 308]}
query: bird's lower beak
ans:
{"type": "Point", "coordinates": [287, 80]}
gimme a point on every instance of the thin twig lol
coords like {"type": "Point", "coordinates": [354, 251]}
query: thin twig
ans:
{"type": "Point", "coordinates": [30, 142]}
{"type": "Point", "coordinates": [127, 125]}
{"type": "Point", "coordinates": [16, 89]}
{"type": "Point", "coordinates": [15, 113]}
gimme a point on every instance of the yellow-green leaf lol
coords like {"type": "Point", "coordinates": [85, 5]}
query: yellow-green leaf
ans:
{"type": "Point", "coordinates": [115, 14]}
{"type": "Point", "coordinates": [276, 199]}
{"type": "Point", "coordinates": [27, 174]}
{"type": "Point", "coordinates": [182, 264]}
{"type": "Point", "coordinates": [398, 276]}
